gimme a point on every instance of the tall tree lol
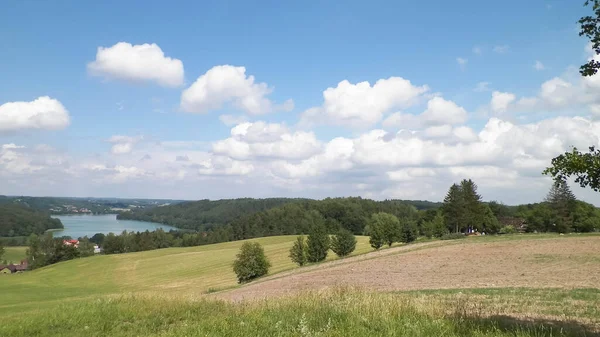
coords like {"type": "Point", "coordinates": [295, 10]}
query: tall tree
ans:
{"type": "Point", "coordinates": [387, 226]}
{"type": "Point", "coordinates": [453, 208]}
{"type": "Point", "coordinates": [562, 202]}
{"type": "Point", "coordinates": [251, 262]}
{"type": "Point", "coordinates": [298, 252]}
{"type": "Point", "coordinates": [584, 166]}
{"type": "Point", "coordinates": [343, 243]}
{"type": "Point", "coordinates": [317, 243]}
{"type": "Point", "coordinates": [590, 27]}
{"type": "Point", "coordinates": [473, 213]}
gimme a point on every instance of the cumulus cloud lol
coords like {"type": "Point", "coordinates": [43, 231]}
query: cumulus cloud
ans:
{"type": "Point", "coordinates": [477, 50]}
{"type": "Point", "coordinates": [462, 62]}
{"type": "Point", "coordinates": [123, 144]}
{"type": "Point", "coordinates": [266, 140]}
{"type": "Point", "coordinates": [482, 86]}
{"type": "Point", "coordinates": [229, 84]}
{"type": "Point", "coordinates": [538, 66]}
{"type": "Point", "coordinates": [438, 112]}
{"type": "Point", "coordinates": [137, 63]}
{"type": "Point", "coordinates": [501, 101]}
{"type": "Point", "coordinates": [363, 105]}
{"type": "Point", "coordinates": [44, 113]}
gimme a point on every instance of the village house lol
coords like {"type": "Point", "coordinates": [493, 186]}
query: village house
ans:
{"type": "Point", "coordinates": [12, 268]}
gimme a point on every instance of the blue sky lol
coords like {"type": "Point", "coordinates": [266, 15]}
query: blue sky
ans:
{"type": "Point", "coordinates": [297, 50]}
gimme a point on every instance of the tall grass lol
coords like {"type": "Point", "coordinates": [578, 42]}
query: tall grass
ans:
{"type": "Point", "coordinates": [338, 312]}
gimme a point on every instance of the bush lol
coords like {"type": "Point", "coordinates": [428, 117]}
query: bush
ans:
{"type": "Point", "coordinates": [317, 243]}
{"type": "Point", "coordinates": [299, 251]}
{"type": "Point", "coordinates": [343, 243]}
{"type": "Point", "coordinates": [384, 228]}
{"type": "Point", "coordinates": [507, 230]}
{"type": "Point", "coordinates": [251, 262]}
{"type": "Point", "coordinates": [409, 231]}
{"type": "Point", "coordinates": [453, 236]}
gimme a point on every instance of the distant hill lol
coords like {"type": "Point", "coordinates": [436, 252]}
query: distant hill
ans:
{"type": "Point", "coordinates": [249, 218]}
{"type": "Point", "coordinates": [204, 214]}
{"type": "Point", "coordinates": [72, 205]}
{"type": "Point", "coordinates": [20, 220]}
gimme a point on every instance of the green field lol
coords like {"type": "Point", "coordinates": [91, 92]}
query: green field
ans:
{"type": "Point", "coordinates": [161, 293]}
{"type": "Point", "coordinates": [14, 254]}
{"type": "Point", "coordinates": [338, 312]}
{"type": "Point", "coordinates": [189, 271]}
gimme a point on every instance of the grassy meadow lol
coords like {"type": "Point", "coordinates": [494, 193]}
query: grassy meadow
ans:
{"type": "Point", "coordinates": [14, 254]}
{"type": "Point", "coordinates": [338, 312]}
{"type": "Point", "coordinates": [188, 271]}
{"type": "Point", "coordinates": [160, 293]}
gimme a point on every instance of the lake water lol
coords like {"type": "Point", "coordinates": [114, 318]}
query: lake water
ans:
{"type": "Point", "coordinates": [81, 225]}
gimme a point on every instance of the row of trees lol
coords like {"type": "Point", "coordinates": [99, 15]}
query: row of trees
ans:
{"type": "Point", "coordinates": [45, 250]}
{"type": "Point", "coordinates": [19, 220]}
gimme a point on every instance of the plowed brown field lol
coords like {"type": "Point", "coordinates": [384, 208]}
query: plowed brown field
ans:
{"type": "Point", "coordinates": [566, 262]}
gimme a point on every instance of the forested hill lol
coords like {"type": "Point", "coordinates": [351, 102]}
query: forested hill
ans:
{"type": "Point", "coordinates": [276, 212]}
{"type": "Point", "coordinates": [204, 214]}
{"type": "Point", "coordinates": [19, 220]}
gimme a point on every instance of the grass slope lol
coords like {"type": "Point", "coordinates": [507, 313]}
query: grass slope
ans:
{"type": "Point", "coordinates": [14, 254]}
{"type": "Point", "coordinates": [341, 312]}
{"type": "Point", "coordinates": [175, 271]}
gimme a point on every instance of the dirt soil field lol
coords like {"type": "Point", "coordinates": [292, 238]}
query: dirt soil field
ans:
{"type": "Point", "coordinates": [546, 263]}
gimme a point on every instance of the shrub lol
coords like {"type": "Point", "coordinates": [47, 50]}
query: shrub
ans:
{"type": "Point", "coordinates": [299, 251]}
{"type": "Point", "coordinates": [317, 243]}
{"type": "Point", "coordinates": [376, 236]}
{"type": "Point", "coordinates": [343, 243]}
{"type": "Point", "coordinates": [507, 230]}
{"type": "Point", "coordinates": [409, 231]}
{"type": "Point", "coordinates": [453, 236]}
{"type": "Point", "coordinates": [250, 262]}
{"type": "Point", "coordinates": [384, 228]}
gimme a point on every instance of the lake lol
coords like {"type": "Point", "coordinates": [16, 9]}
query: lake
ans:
{"type": "Point", "coordinates": [81, 225]}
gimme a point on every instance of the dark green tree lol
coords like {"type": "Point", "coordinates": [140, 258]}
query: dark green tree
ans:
{"type": "Point", "coordinates": [386, 227]}
{"type": "Point", "coordinates": [317, 242]}
{"type": "Point", "coordinates": [590, 28]}
{"type": "Point", "coordinates": [409, 231]}
{"type": "Point", "coordinates": [343, 243]}
{"type": "Point", "coordinates": [453, 209]}
{"type": "Point", "coordinates": [584, 166]}
{"type": "Point", "coordinates": [562, 202]}
{"type": "Point", "coordinates": [472, 216]}
{"type": "Point", "coordinates": [489, 222]}
{"type": "Point", "coordinates": [299, 251]}
{"type": "Point", "coordinates": [86, 247]}
{"type": "Point", "coordinates": [251, 262]}
{"type": "Point", "coordinates": [435, 227]}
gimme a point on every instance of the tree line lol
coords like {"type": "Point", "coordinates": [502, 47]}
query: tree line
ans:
{"type": "Point", "coordinates": [19, 220]}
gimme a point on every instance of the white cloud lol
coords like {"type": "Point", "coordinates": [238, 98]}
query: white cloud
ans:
{"type": "Point", "coordinates": [363, 105]}
{"type": "Point", "coordinates": [482, 86]}
{"type": "Point", "coordinates": [43, 113]}
{"type": "Point", "coordinates": [501, 101]}
{"type": "Point", "coordinates": [137, 63]}
{"type": "Point", "coordinates": [477, 50]}
{"type": "Point", "coordinates": [501, 49]}
{"type": "Point", "coordinates": [438, 112]}
{"type": "Point", "coordinates": [539, 66]}
{"type": "Point", "coordinates": [263, 140]}
{"type": "Point", "coordinates": [441, 111]}
{"type": "Point", "coordinates": [230, 120]}
{"type": "Point", "coordinates": [123, 144]}
{"type": "Point", "coordinates": [229, 84]}
{"type": "Point", "coordinates": [462, 62]}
